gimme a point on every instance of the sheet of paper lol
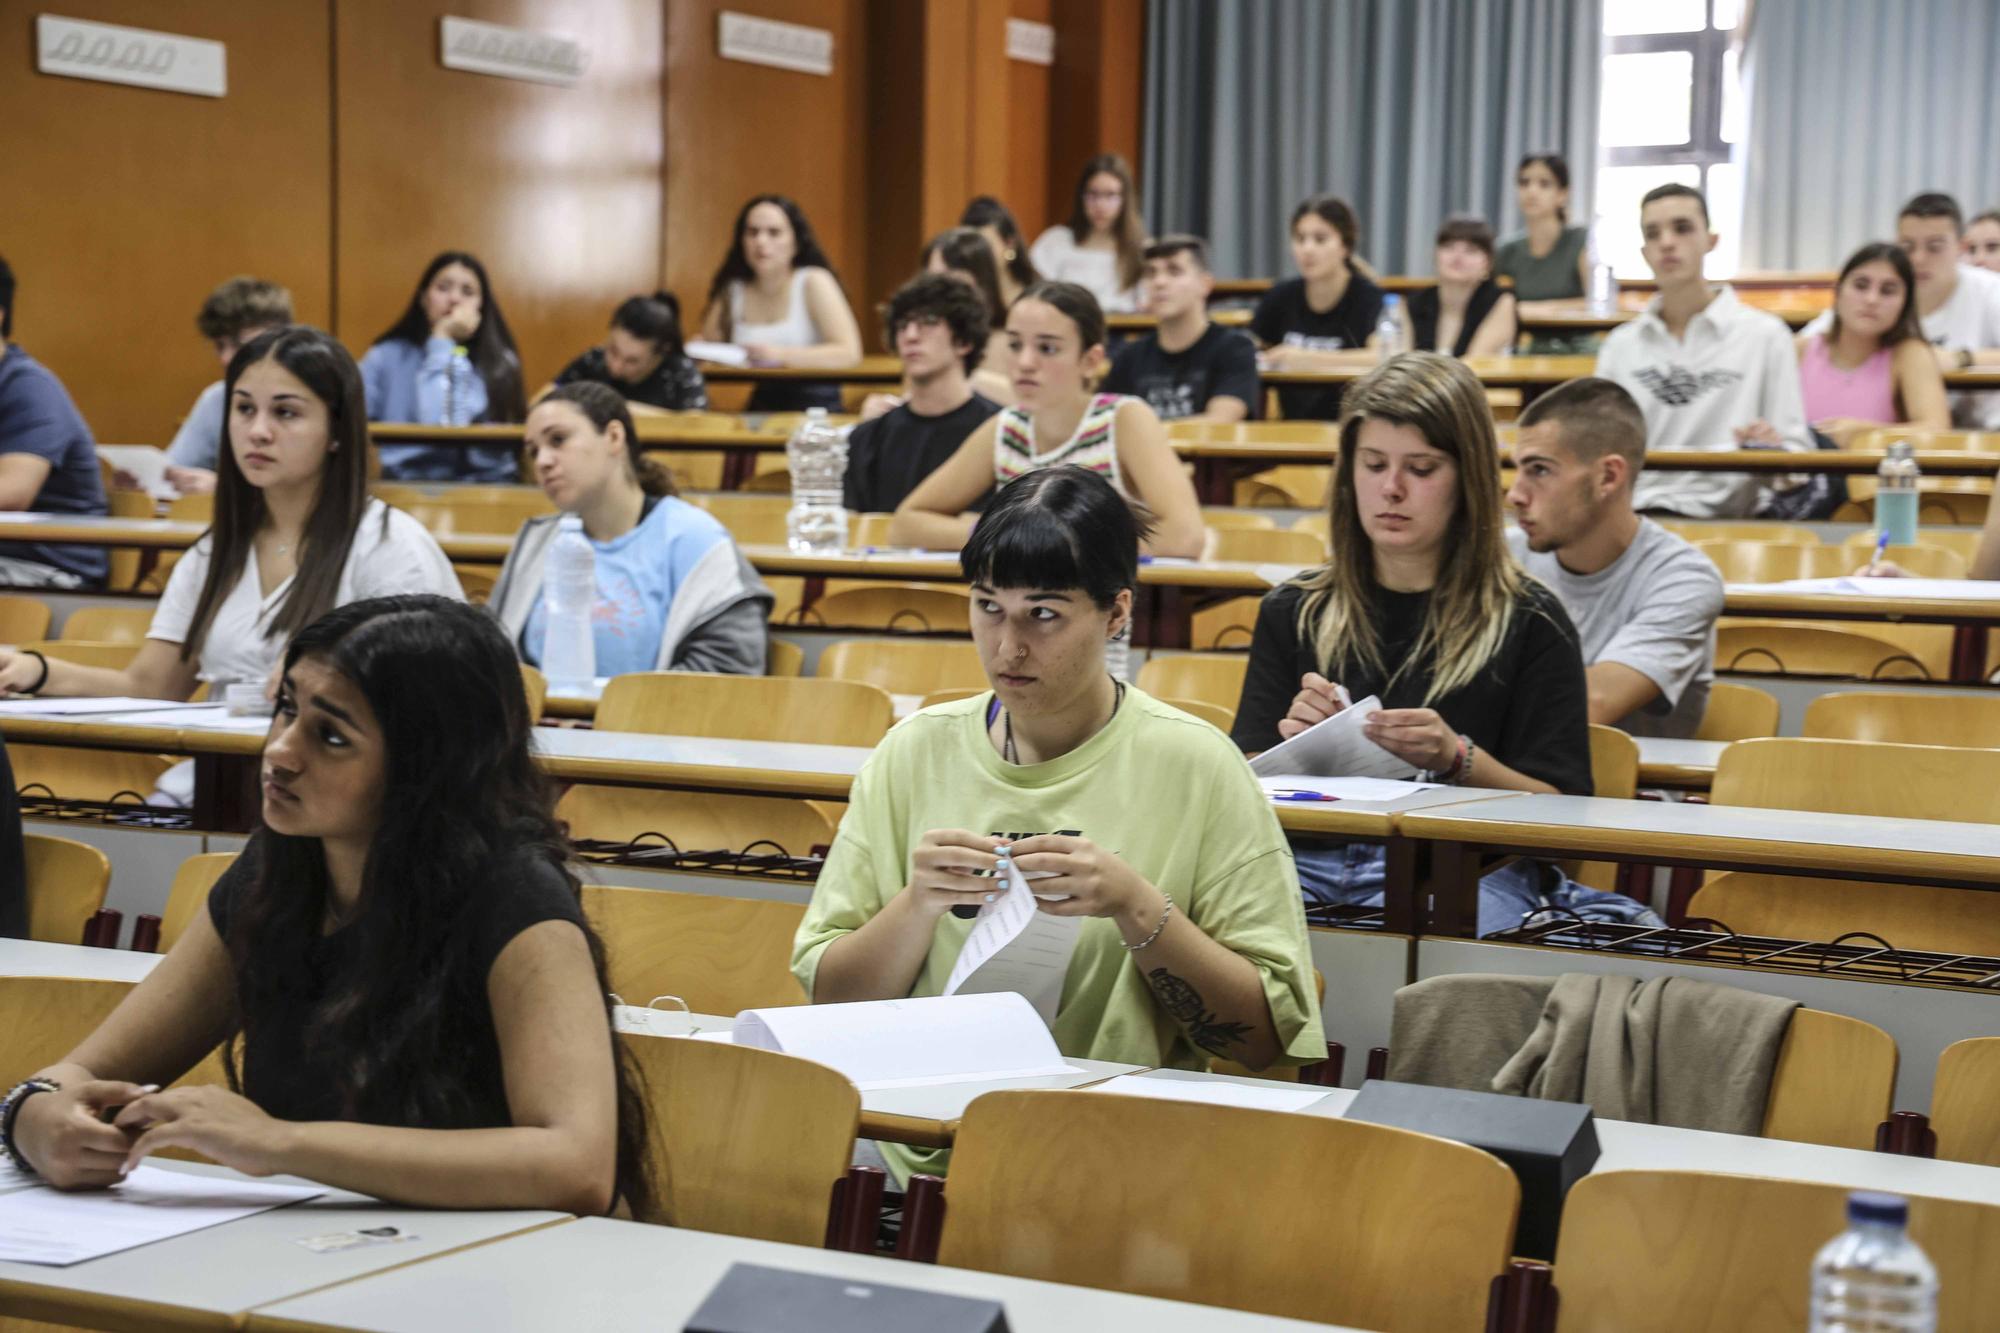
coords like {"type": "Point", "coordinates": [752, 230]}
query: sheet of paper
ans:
{"type": "Point", "coordinates": [89, 707]}
{"type": "Point", "coordinates": [722, 354]}
{"type": "Point", "coordinates": [1982, 590]}
{"type": "Point", "coordinates": [1277, 1097]}
{"type": "Point", "coordinates": [1335, 748]}
{"type": "Point", "coordinates": [211, 717]}
{"type": "Point", "coordinates": [46, 1226]}
{"type": "Point", "coordinates": [916, 1042]}
{"type": "Point", "coordinates": [144, 464]}
{"type": "Point", "coordinates": [1276, 574]}
{"type": "Point", "coordinates": [1345, 789]}
{"type": "Point", "coordinates": [1014, 947]}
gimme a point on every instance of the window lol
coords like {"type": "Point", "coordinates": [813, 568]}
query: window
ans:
{"type": "Point", "coordinates": [1671, 110]}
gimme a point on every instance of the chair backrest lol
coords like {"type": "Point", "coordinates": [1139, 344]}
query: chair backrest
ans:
{"type": "Point", "coordinates": [22, 618]}
{"type": "Point", "coordinates": [189, 894]}
{"type": "Point", "coordinates": [1833, 1082]}
{"type": "Point", "coordinates": [747, 708]}
{"type": "Point", "coordinates": [86, 775]}
{"type": "Point", "coordinates": [1908, 916]}
{"type": "Point", "coordinates": [745, 1142]}
{"type": "Point", "coordinates": [911, 607]}
{"type": "Point", "coordinates": [1273, 546]}
{"type": "Point", "coordinates": [1222, 719]}
{"type": "Point", "coordinates": [1220, 519]}
{"type": "Point", "coordinates": [1937, 441]}
{"type": "Point", "coordinates": [86, 652]}
{"type": "Point", "coordinates": [1614, 762]}
{"type": "Point", "coordinates": [67, 881]}
{"type": "Point", "coordinates": [1215, 678]}
{"type": "Point", "coordinates": [1962, 542]}
{"type": "Point", "coordinates": [1738, 712]}
{"type": "Point", "coordinates": [195, 508]}
{"type": "Point", "coordinates": [1773, 562]}
{"type": "Point", "coordinates": [42, 1019]}
{"type": "Point", "coordinates": [476, 582]}
{"type": "Point", "coordinates": [1860, 778]}
{"type": "Point", "coordinates": [916, 667]}
{"type": "Point", "coordinates": [1966, 719]}
{"type": "Point", "coordinates": [1814, 650]}
{"type": "Point", "coordinates": [720, 955]}
{"type": "Point", "coordinates": [1314, 1217]}
{"type": "Point", "coordinates": [946, 697]}
{"type": "Point", "coordinates": [782, 657]}
{"type": "Point", "coordinates": [753, 520]}
{"type": "Point", "coordinates": [1320, 524]}
{"type": "Point", "coordinates": [1965, 1101]}
{"type": "Point", "coordinates": [1654, 1251]}
{"type": "Point", "coordinates": [1325, 433]}
{"type": "Point", "coordinates": [1928, 559]}
{"type": "Point", "coordinates": [536, 686]}
{"type": "Point", "coordinates": [446, 515]}
{"type": "Point", "coordinates": [1699, 530]}
{"type": "Point", "coordinates": [109, 624]}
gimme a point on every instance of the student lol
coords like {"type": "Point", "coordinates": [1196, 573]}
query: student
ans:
{"type": "Point", "coordinates": [1871, 366]}
{"type": "Point", "coordinates": [1477, 666]}
{"type": "Point", "coordinates": [295, 535]}
{"type": "Point", "coordinates": [673, 592]}
{"type": "Point", "coordinates": [1194, 944]}
{"type": "Point", "coordinates": [401, 949]}
{"type": "Point", "coordinates": [1100, 247]}
{"type": "Point", "coordinates": [48, 463]}
{"type": "Point", "coordinates": [642, 357]}
{"type": "Point", "coordinates": [1549, 260]}
{"type": "Point", "coordinates": [775, 295]}
{"type": "Point", "coordinates": [1708, 371]}
{"type": "Point", "coordinates": [1189, 367]}
{"type": "Point", "coordinates": [1303, 323]}
{"type": "Point", "coordinates": [234, 313]}
{"type": "Point", "coordinates": [449, 361]}
{"type": "Point", "coordinates": [938, 327]}
{"type": "Point", "coordinates": [1057, 334]}
{"type": "Point", "coordinates": [964, 254]}
{"type": "Point", "coordinates": [1644, 602]}
{"type": "Point", "coordinates": [1466, 313]}
{"type": "Point", "coordinates": [995, 221]}
{"type": "Point", "coordinates": [1982, 241]}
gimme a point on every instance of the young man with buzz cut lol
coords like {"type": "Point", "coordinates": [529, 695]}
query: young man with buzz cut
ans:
{"type": "Point", "coordinates": [1644, 601]}
{"type": "Point", "coordinates": [1189, 368]}
{"type": "Point", "coordinates": [1708, 372]}
{"type": "Point", "coordinates": [938, 326]}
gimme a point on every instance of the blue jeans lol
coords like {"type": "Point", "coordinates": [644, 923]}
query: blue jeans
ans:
{"type": "Point", "coordinates": [1352, 876]}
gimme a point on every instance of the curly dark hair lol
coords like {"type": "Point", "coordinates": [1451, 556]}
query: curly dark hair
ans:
{"type": "Point", "coordinates": [957, 303]}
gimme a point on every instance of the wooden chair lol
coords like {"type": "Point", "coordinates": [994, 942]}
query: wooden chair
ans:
{"type": "Point", "coordinates": [1834, 1082]}
{"type": "Point", "coordinates": [1930, 558]}
{"type": "Point", "coordinates": [1653, 1251]}
{"type": "Point", "coordinates": [1614, 772]}
{"type": "Point", "coordinates": [1268, 546]}
{"type": "Point", "coordinates": [1738, 712]}
{"type": "Point", "coordinates": [1928, 441]}
{"type": "Point", "coordinates": [1774, 562]}
{"type": "Point", "coordinates": [784, 658]}
{"type": "Point", "coordinates": [67, 881]}
{"type": "Point", "coordinates": [1965, 1101]}
{"type": "Point", "coordinates": [477, 581]}
{"type": "Point", "coordinates": [946, 697]}
{"type": "Point", "coordinates": [1704, 530]}
{"type": "Point", "coordinates": [1966, 719]}
{"type": "Point", "coordinates": [1324, 433]}
{"type": "Point", "coordinates": [1219, 520]}
{"type": "Point", "coordinates": [86, 652]}
{"type": "Point", "coordinates": [108, 624]}
{"type": "Point", "coordinates": [1214, 678]}
{"type": "Point", "coordinates": [744, 1142]}
{"type": "Point", "coordinates": [917, 667]}
{"type": "Point", "coordinates": [1280, 1229]}
{"type": "Point", "coordinates": [914, 607]}
{"type": "Point", "coordinates": [1908, 916]}
{"type": "Point", "coordinates": [753, 520]}
{"type": "Point", "coordinates": [42, 1019]}
{"type": "Point", "coordinates": [189, 894]}
{"type": "Point", "coordinates": [1222, 719]}
{"type": "Point", "coordinates": [122, 571]}
{"type": "Point", "coordinates": [1320, 523]}
{"type": "Point", "coordinates": [719, 955]}
{"type": "Point", "coordinates": [1793, 649]}
{"type": "Point", "coordinates": [536, 685]}
{"type": "Point", "coordinates": [395, 494]}
{"type": "Point", "coordinates": [192, 508]}
{"type": "Point", "coordinates": [450, 516]}
{"type": "Point", "coordinates": [23, 618]}
{"type": "Point", "coordinates": [85, 775]}
{"type": "Point", "coordinates": [1287, 486]}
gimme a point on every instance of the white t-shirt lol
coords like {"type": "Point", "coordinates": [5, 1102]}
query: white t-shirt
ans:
{"type": "Point", "coordinates": [1970, 319]}
{"type": "Point", "coordinates": [1058, 257]}
{"type": "Point", "coordinates": [400, 556]}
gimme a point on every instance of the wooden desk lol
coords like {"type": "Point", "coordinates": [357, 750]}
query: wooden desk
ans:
{"type": "Point", "coordinates": [159, 534]}
{"type": "Point", "coordinates": [1797, 306]}
{"type": "Point", "coordinates": [868, 370]}
{"type": "Point", "coordinates": [1527, 373]}
{"type": "Point", "coordinates": [595, 1274]}
{"type": "Point", "coordinates": [1686, 765]}
{"type": "Point", "coordinates": [1971, 617]}
{"type": "Point", "coordinates": [213, 1278]}
{"type": "Point", "coordinates": [1133, 322]}
{"type": "Point", "coordinates": [36, 958]}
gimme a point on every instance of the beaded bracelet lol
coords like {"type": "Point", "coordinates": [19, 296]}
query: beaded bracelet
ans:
{"type": "Point", "coordinates": [10, 1111]}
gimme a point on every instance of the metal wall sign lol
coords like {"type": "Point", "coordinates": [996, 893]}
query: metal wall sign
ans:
{"type": "Point", "coordinates": [768, 42]}
{"type": "Point", "coordinates": [78, 49]}
{"type": "Point", "coordinates": [511, 53]}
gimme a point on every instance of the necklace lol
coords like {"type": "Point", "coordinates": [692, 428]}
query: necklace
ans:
{"type": "Point", "coordinates": [1007, 750]}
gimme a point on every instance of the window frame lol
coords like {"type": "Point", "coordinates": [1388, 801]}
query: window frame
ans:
{"type": "Point", "coordinates": [1704, 147]}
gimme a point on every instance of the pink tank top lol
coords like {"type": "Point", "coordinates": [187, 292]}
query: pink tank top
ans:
{"type": "Point", "coordinates": [1866, 393]}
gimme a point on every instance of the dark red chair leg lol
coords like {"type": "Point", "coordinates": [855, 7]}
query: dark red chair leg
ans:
{"type": "Point", "coordinates": [1378, 1062]}
{"type": "Point", "coordinates": [1523, 1299]}
{"type": "Point", "coordinates": [857, 1210]}
{"type": "Point", "coordinates": [923, 1219]}
{"type": "Point", "coordinates": [103, 930]}
{"type": "Point", "coordinates": [1907, 1134]}
{"type": "Point", "coordinates": [1326, 1073]}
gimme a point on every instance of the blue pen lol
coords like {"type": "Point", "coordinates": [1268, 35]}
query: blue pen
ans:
{"type": "Point", "coordinates": [1290, 795]}
{"type": "Point", "coordinates": [1881, 548]}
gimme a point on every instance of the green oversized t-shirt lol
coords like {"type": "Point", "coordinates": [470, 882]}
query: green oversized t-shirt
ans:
{"type": "Point", "coordinates": [1165, 792]}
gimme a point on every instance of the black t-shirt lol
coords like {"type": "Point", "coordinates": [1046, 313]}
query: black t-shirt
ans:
{"type": "Point", "coordinates": [1424, 307]}
{"type": "Point", "coordinates": [1528, 707]}
{"type": "Point", "coordinates": [1221, 363]}
{"type": "Point", "coordinates": [288, 1078]}
{"type": "Point", "coordinates": [675, 383]}
{"type": "Point", "coordinates": [1284, 317]}
{"type": "Point", "coordinates": [888, 455]}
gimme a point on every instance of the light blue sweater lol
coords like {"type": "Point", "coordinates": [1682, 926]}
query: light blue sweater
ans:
{"type": "Point", "coordinates": [432, 385]}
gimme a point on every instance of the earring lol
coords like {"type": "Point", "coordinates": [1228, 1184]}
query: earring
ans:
{"type": "Point", "coordinates": [1011, 254]}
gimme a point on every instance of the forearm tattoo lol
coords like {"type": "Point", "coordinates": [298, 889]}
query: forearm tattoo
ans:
{"type": "Point", "coordinates": [1203, 1026]}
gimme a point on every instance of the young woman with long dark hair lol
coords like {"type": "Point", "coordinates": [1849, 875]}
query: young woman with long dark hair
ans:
{"type": "Point", "coordinates": [450, 360]}
{"type": "Point", "coordinates": [775, 295]}
{"type": "Point", "coordinates": [995, 221]}
{"type": "Point", "coordinates": [1318, 319]}
{"type": "Point", "coordinates": [1101, 247]}
{"type": "Point", "coordinates": [1873, 365]}
{"type": "Point", "coordinates": [401, 950]}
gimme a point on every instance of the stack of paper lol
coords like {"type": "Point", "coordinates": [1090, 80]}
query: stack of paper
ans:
{"type": "Point", "coordinates": [1214, 1092]}
{"type": "Point", "coordinates": [47, 1226]}
{"type": "Point", "coordinates": [1334, 748]}
{"type": "Point", "coordinates": [911, 1043]}
{"type": "Point", "coordinates": [722, 354]}
{"type": "Point", "coordinates": [1016, 947]}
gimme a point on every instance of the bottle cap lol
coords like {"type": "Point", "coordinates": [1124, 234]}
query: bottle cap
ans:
{"type": "Point", "coordinates": [570, 523]}
{"type": "Point", "coordinates": [1901, 449]}
{"type": "Point", "coordinates": [1869, 1206]}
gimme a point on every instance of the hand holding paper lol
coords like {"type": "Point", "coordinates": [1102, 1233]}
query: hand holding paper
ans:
{"type": "Point", "coordinates": [1338, 747]}
{"type": "Point", "coordinates": [1016, 947]}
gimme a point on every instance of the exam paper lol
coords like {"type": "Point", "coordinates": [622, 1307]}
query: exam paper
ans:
{"type": "Point", "coordinates": [1346, 789]}
{"type": "Point", "coordinates": [1277, 574]}
{"type": "Point", "coordinates": [911, 1043]}
{"type": "Point", "coordinates": [1277, 1097]}
{"type": "Point", "coordinates": [1979, 590]}
{"type": "Point", "coordinates": [1014, 947]}
{"type": "Point", "coordinates": [211, 717]}
{"type": "Point", "coordinates": [144, 464]}
{"type": "Point", "coordinates": [1335, 748]}
{"type": "Point", "coordinates": [86, 707]}
{"type": "Point", "coordinates": [723, 354]}
{"type": "Point", "coordinates": [48, 1226]}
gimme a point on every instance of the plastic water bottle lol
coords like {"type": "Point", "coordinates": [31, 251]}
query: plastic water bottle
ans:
{"type": "Point", "coordinates": [569, 587]}
{"type": "Point", "coordinates": [1389, 335]}
{"type": "Point", "coordinates": [1896, 495]}
{"type": "Point", "coordinates": [817, 455]}
{"type": "Point", "coordinates": [1603, 288]}
{"type": "Point", "coordinates": [1872, 1278]}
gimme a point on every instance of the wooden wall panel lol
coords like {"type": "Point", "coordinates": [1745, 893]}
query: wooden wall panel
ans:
{"type": "Point", "coordinates": [1096, 96]}
{"type": "Point", "coordinates": [124, 206]}
{"type": "Point", "coordinates": [557, 189]}
{"type": "Point", "coordinates": [1028, 90]}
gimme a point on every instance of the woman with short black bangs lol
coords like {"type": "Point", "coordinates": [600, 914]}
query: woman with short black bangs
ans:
{"type": "Point", "coordinates": [421, 1005]}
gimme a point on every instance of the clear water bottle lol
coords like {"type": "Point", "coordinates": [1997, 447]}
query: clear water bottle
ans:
{"type": "Point", "coordinates": [1390, 339]}
{"type": "Point", "coordinates": [1896, 495]}
{"type": "Point", "coordinates": [1872, 1278]}
{"type": "Point", "coordinates": [817, 455]}
{"type": "Point", "coordinates": [1603, 289]}
{"type": "Point", "coordinates": [569, 588]}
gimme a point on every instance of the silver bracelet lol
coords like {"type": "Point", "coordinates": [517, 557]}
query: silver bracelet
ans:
{"type": "Point", "coordinates": [1134, 948]}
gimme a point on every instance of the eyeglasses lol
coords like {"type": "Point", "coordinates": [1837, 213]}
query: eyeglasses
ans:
{"type": "Point", "coordinates": [1103, 196]}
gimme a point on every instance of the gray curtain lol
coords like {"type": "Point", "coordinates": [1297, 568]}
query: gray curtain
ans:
{"type": "Point", "coordinates": [1409, 109]}
{"type": "Point", "coordinates": [1855, 105]}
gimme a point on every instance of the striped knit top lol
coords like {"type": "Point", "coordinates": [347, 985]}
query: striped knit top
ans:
{"type": "Point", "coordinates": [1093, 445]}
